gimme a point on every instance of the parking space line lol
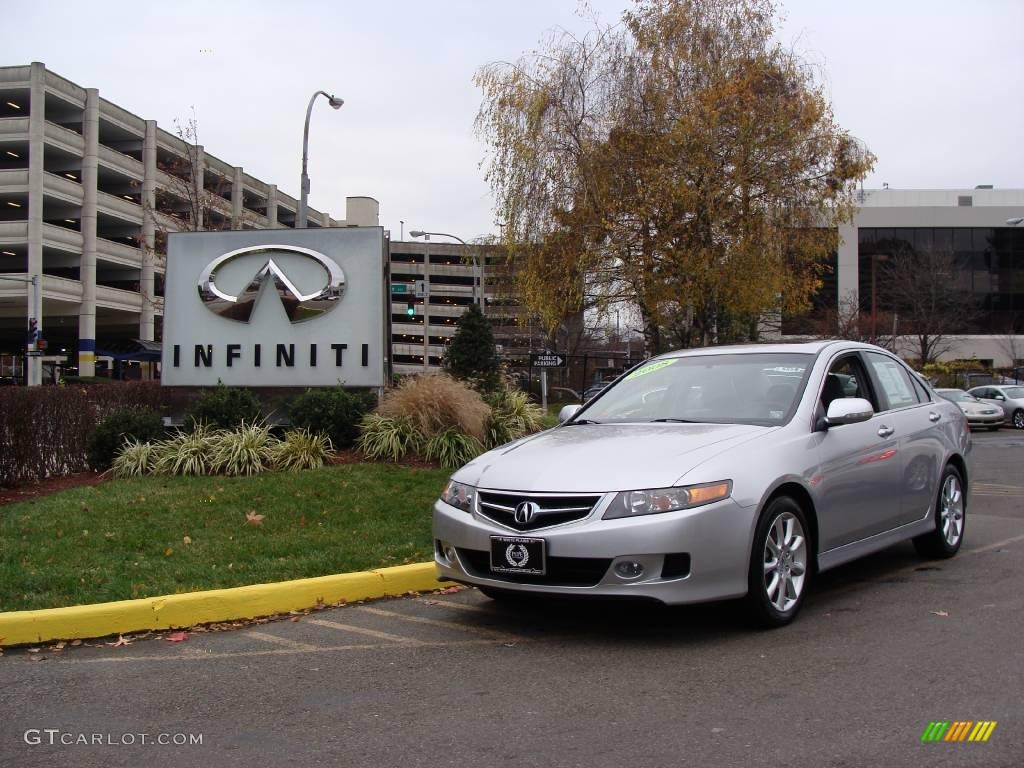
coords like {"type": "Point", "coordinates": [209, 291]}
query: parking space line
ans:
{"type": "Point", "coordinates": [996, 545]}
{"type": "Point", "coordinates": [268, 638]}
{"type": "Point", "coordinates": [207, 655]}
{"type": "Point", "coordinates": [455, 605]}
{"type": "Point", "coordinates": [364, 631]}
{"type": "Point", "coordinates": [439, 623]}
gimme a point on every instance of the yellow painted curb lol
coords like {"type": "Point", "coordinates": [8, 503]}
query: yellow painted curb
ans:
{"type": "Point", "coordinates": [191, 608]}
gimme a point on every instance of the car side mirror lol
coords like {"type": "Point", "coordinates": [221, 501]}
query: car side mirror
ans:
{"type": "Point", "coordinates": [568, 412]}
{"type": "Point", "coordinates": [848, 410]}
{"type": "Point", "coordinates": [1000, 398]}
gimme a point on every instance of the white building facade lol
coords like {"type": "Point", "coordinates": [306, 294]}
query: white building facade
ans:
{"type": "Point", "coordinates": [974, 227]}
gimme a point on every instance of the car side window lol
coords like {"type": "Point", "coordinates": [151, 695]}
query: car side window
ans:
{"type": "Point", "coordinates": [922, 391]}
{"type": "Point", "coordinates": [894, 381]}
{"type": "Point", "coordinates": [845, 378]}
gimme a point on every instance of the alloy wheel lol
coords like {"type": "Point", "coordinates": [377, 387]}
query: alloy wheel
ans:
{"type": "Point", "coordinates": [785, 561]}
{"type": "Point", "coordinates": [951, 513]}
{"type": "Point", "coordinates": [1018, 419]}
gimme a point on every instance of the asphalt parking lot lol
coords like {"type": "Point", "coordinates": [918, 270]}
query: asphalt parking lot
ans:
{"type": "Point", "coordinates": [883, 647]}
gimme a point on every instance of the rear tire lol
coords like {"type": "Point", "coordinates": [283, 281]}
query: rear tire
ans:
{"type": "Point", "coordinates": [950, 517]}
{"type": "Point", "coordinates": [1018, 418]}
{"type": "Point", "coordinates": [780, 563]}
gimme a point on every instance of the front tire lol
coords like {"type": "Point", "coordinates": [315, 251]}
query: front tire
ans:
{"type": "Point", "coordinates": [950, 518]}
{"type": "Point", "coordinates": [780, 563]}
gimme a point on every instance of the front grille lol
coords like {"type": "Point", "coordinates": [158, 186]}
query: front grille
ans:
{"type": "Point", "coordinates": [500, 506]}
{"type": "Point", "coordinates": [561, 571]}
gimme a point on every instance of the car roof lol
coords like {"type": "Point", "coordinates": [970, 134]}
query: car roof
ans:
{"type": "Point", "coordinates": [796, 347]}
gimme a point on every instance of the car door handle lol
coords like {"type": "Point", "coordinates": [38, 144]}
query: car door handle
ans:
{"type": "Point", "coordinates": [884, 431]}
{"type": "Point", "coordinates": [934, 416]}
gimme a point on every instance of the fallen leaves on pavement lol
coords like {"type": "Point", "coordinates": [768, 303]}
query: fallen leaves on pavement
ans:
{"type": "Point", "coordinates": [121, 642]}
{"type": "Point", "coordinates": [251, 518]}
{"type": "Point", "coordinates": [176, 637]}
{"type": "Point", "coordinates": [941, 613]}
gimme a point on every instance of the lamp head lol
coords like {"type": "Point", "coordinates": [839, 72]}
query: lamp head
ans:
{"type": "Point", "coordinates": [1015, 221]}
{"type": "Point", "coordinates": [417, 233]}
{"type": "Point", "coordinates": [335, 101]}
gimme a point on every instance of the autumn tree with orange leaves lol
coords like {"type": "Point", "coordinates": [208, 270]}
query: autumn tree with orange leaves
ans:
{"type": "Point", "coordinates": [681, 161]}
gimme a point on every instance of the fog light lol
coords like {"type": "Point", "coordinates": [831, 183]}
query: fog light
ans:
{"type": "Point", "coordinates": [629, 569]}
{"type": "Point", "coordinates": [449, 553]}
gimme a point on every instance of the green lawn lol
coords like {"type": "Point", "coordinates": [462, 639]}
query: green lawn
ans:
{"type": "Point", "coordinates": [125, 539]}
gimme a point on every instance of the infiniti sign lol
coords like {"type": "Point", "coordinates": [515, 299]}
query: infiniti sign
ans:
{"type": "Point", "coordinates": [303, 307]}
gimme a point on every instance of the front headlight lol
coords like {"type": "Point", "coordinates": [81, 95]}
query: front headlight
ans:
{"type": "Point", "coordinates": [459, 495]}
{"type": "Point", "coordinates": [657, 500]}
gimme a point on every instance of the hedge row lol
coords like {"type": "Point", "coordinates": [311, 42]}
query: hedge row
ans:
{"type": "Point", "coordinates": [44, 431]}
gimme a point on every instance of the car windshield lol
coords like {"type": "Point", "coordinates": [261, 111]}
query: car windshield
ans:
{"type": "Point", "coordinates": [756, 388]}
{"type": "Point", "coordinates": [957, 396]}
{"type": "Point", "coordinates": [1014, 393]}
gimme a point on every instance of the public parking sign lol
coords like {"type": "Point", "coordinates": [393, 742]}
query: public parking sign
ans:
{"type": "Point", "coordinates": [549, 360]}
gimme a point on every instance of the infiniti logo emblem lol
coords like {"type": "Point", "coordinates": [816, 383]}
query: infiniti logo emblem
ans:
{"type": "Point", "coordinates": [297, 305]}
{"type": "Point", "coordinates": [526, 511]}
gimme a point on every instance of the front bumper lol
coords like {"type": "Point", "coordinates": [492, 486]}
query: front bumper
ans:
{"type": "Point", "coordinates": [985, 420]}
{"type": "Point", "coordinates": [582, 555]}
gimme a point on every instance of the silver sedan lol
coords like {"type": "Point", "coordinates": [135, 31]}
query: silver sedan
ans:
{"type": "Point", "coordinates": [1008, 397]}
{"type": "Point", "coordinates": [978, 414]}
{"type": "Point", "coordinates": [715, 473]}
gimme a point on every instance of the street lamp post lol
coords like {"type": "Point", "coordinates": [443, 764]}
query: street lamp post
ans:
{"type": "Point", "coordinates": [478, 273]}
{"type": "Point", "coordinates": [336, 103]}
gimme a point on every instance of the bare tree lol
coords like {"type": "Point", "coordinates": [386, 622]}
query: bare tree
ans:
{"type": "Point", "coordinates": [847, 321]}
{"type": "Point", "coordinates": [925, 288]}
{"type": "Point", "coordinates": [1012, 344]}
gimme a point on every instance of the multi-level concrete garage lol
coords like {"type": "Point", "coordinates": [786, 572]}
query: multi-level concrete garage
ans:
{"type": "Point", "coordinates": [88, 192]}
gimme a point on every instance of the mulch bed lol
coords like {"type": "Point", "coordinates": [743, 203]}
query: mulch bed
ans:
{"type": "Point", "coordinates": [352, 456]}
{"type": "Point", "coordinates": [50, 485]}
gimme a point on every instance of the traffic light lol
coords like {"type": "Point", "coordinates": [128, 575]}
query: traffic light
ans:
{"type": "Point", "coordinates": [410, 309]}
{"type": "Point", "coordinates": [33, 331]}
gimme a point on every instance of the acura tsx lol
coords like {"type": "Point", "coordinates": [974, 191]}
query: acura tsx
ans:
{"type": "Point", "coordinates": [715, 473]}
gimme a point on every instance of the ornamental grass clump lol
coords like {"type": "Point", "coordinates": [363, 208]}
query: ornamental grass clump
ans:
{"type": "Point", "coordinates": [451, 449]}
{"type": "Point", "coordinates": [436, 403]}
{"type": "Point", "coordinates": [186, 453]}
{"type": "Point", "coordinates": [513, 415]}
{"type": "Point", "coordinates": [389, 438]}
{"type": "Point", "coordinates": [301, 449]}
{"type": "Point", "coordinates": [247, 450]}
{"type": "Point", "coordinates": [135, 459]}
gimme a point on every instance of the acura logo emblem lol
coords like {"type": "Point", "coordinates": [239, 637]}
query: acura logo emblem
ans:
{"type": "Point", "coordinates": [526, 511]}
{"type": "Point", "coordinates": [298, 306]}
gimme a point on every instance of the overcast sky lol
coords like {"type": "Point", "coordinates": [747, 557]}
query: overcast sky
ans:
{"type": "Point", "coordinates": [934, 87]}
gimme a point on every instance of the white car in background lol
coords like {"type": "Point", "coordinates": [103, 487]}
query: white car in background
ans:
{"type": "Point", "coordinates": [978, 414]}
{"type": "Point", "coordinates": [1008, 397]}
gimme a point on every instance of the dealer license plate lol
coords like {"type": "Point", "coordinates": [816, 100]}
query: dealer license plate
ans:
{"type": "Point", "coordinates": [515, 554]}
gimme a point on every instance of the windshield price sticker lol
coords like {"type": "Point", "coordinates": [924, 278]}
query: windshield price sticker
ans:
{"type": "Point", "coordinates": [651, 368]}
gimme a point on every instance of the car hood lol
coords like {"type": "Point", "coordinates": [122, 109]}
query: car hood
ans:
{"type": "Point", "coordinates": [592, 458]}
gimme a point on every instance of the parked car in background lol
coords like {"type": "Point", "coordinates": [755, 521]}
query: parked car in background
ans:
{"type": "Point", "coordinates": [1008, 397]}
{"type": "Point", "coordinates": [978, 414]}
{"type": "Point", "coordinates": [715, 473]}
